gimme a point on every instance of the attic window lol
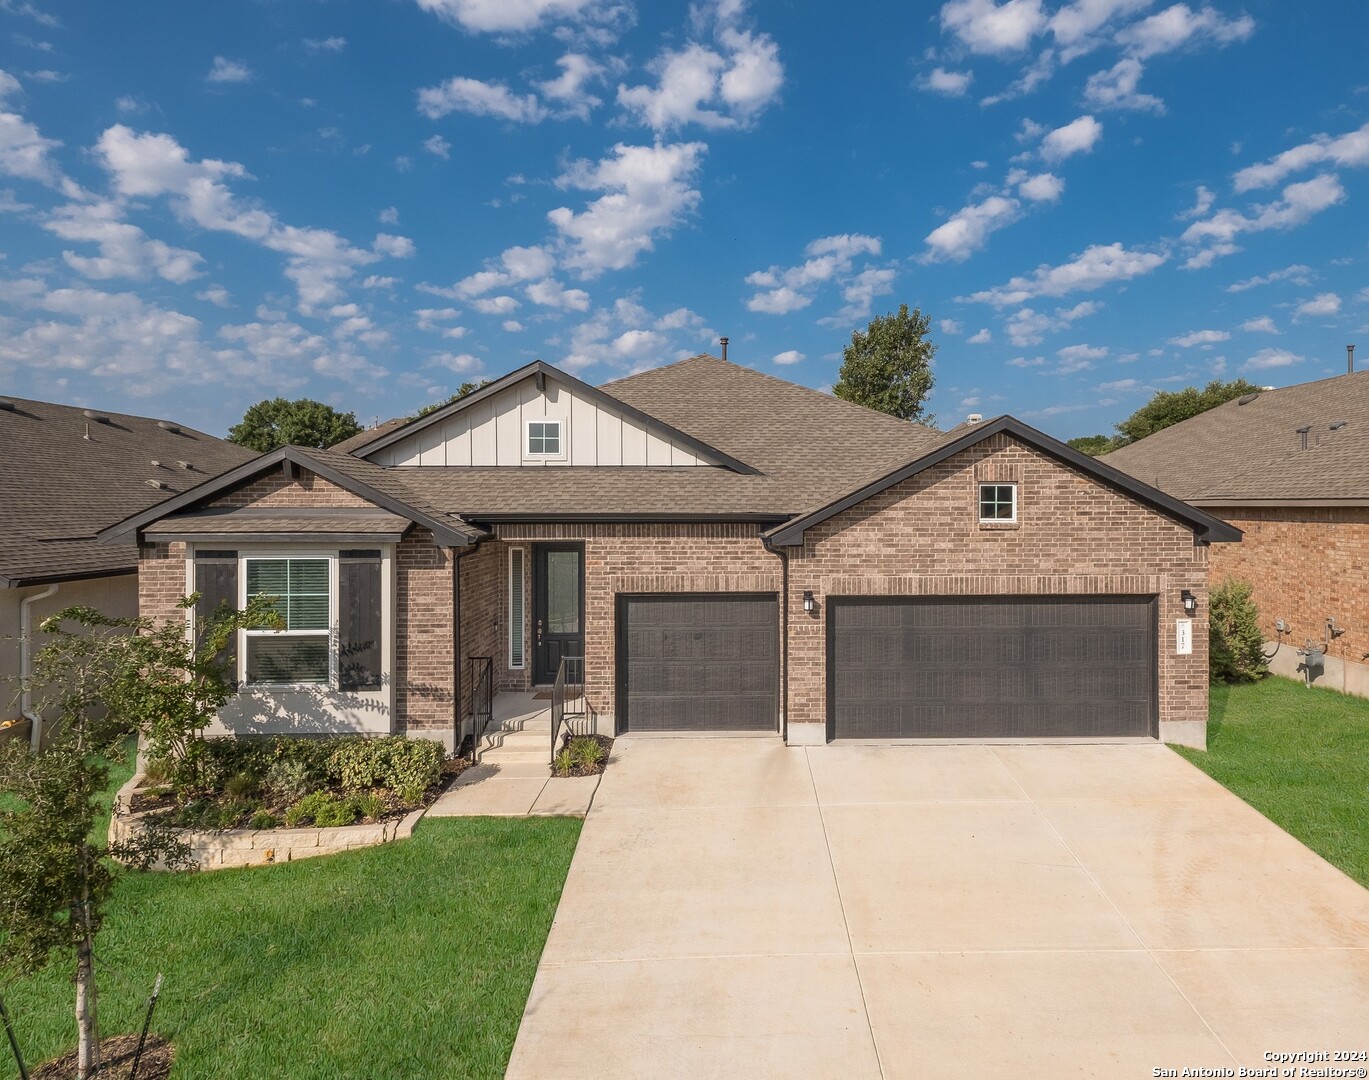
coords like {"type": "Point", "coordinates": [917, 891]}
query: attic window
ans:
{"type": "Point", "coordinates": [544, 439]}
{"type": "Point", "coordinates": [998, 503]}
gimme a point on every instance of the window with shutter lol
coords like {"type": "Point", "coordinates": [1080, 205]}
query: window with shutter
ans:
{"type": "Point", "coordinates": [299, 591]}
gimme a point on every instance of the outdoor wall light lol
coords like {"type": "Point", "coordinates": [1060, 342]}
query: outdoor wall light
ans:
{"type": "Point", "coordinates": [809, 604]}
{"type": "Point", "coordinates": [1190, 602]}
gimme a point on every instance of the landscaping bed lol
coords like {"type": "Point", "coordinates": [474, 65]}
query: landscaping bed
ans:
{"type": "Point", "coordinates": [582, 755]}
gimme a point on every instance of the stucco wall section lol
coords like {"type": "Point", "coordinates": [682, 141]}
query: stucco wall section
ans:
{"type": "Point", "coordinates": [1073, 535]}
{"type": "Point", "coordinates": [649, 558]}
{"type": "Point", "coordinates": [1305, 564]}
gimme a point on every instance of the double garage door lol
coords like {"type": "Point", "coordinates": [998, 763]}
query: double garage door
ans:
{"type": "Point", "coordinates": [991, 667]}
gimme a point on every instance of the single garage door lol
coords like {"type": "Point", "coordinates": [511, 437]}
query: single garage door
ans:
{"type": "Point", "coordinates": [698, 662]}
{"type": "Point", "coordinates": [991, 667]}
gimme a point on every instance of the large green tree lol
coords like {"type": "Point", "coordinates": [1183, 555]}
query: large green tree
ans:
{"type": "Point", "coordinates": [1165, 408]}
{"type": "Point", "coordinates": [278, 421]}
{"type": "Point", "coordinates": [888, 366]}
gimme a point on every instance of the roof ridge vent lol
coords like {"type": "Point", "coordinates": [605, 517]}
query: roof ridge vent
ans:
{"type": "Point", "coordinates": [160, 485]}
{"type": "Point", "coordinates": [8, 406]}
{"type": "Point", "coordinates": [1338, 425]}
{"type": "Point", "coordinates": [98, 417]}
{"type": "Point", "coordinates": [167, 425]}
{"type": "Point", "coordinates": [1246, 399]}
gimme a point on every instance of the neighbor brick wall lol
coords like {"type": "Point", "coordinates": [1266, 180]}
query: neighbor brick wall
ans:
{"type": "Point", "coordinates": [1305, 564]}
{"type": "Point", "coordinates": [1073, 535]}
{"type": "Point", "coordinates": [649, 559]}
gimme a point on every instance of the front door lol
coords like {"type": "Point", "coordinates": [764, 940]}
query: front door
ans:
{"type": "Point", "coordinates": [558, 591]}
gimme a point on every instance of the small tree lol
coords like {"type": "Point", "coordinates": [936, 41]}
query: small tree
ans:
{"type": "Point", "coordinates": [464, 389]}
{"type": "Point", "coordinates": [1236, 645]}
{"type": "Point", "coordinates": [275, 422]}
{"type": "Point", "coordinates": [888, 367]}
{"type": "Point", "coordinates": [1093, 445]}
{"type": "Point", "coordinates": [1167, 407]}
{"type": "Point", "coordinates": [105, 681]}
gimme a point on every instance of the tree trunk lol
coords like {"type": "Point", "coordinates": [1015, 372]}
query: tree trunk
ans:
{"type": "Point", "coordinates": [85, 1010]}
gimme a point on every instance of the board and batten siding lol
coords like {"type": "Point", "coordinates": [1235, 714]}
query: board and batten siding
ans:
{"type": "Point", "coordinates": [492, 432]}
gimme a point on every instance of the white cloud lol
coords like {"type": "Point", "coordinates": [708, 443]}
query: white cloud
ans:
{"type": "Point", "coordinates": [328, 44]}
{"type": "Point", "coordinates": [125, 250]}
{"type": "Point", "coordinates": [983, 26]}
{"type": "Point", "coordinates": [1023, 362]}
{"type": "Point", "coordinates": [459, 94]}
{"type": "Point", "coordinates": [647, 192]}
{"type": "Point", "coordinates": [216, 295]}
{"type": "Point", "coordinates": [438, 147]}
{"type": "Point", "coordinates": [395, 247]}
{"type": "Point", "coordinates": [1077, 137]}
{"type": "Point", "coordinates": [569, 88]}
{"type": "Point", "coordinates": [1043, 187]}
{"type": "Point", "coordinates": [1027, 326]}
{"type": "Point", "coordinates": [950, 83]}
{"type": "Point", "coordinates": [515, 264]}
{"type": "Point", "coordinates": [781, 290]}
{"type": "Point", "coordinates": [24, 152]}
{"type": "Point", "coordinates": [389, 216]}
{"type": "Point", "coordinates": [228, 71]}
{"type": "Point", "coordinates": [1327, 303]}
{"type": "Point", "coordinates": [495, 305]}
{"type": "Point", "coordinates": [1176, 26]}
{"type": "Point", "coordinates": [1201, 205]}
{"type": "Point", "coordinates": [431, 319]}
{"type": "Point", "coordinates": [503, 16]}
{"type": "Point", "coordinates": [968, 229]}
{"type": "Point", "coordinates": [1348, 150]}
{"type": "Point", "coordinates": [1115, 88]}
{"type": "Point", "coordinates": [1298, 274]}
{"type": "Point", "coordinates": [1099, 265]}
{"type": "Point", "coordinates": [1272, 358]}
{"type": "Point", "coordinates": [1038, 72]}
{"type": "Point", "coordinates": [1074, 24]}
{"type": "Point", "coordinates": [460, 363]}
{"type": "Point", "coordinates": [980, 337]}
{"type": "Point", "coordinates": [859, 294]}
{"type": "Point", "coordinates": [1299, 204]}
{"type": "Point", "coordinates": [511, 326]}
{"type": "Point", "coordinates": [1200, 337]}
{"type": "Point", "coordinates": [1262, 325]}
{"type": "Point", "coordinates": [551, 293]}
{"type": "Point", "coordinates": [1118, 386]}
{"type": "Point", "coordinates": [789, 356]}
{"type": "Point", "coordinates": [1078, 358]}
{"type": "Point", "coordinates": [950, 326]}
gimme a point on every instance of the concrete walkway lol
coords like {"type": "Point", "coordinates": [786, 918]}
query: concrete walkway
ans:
{"type": "Point", "coordinates": [739, 908]}
{"type": "Point", "coordinates": [514, 778]}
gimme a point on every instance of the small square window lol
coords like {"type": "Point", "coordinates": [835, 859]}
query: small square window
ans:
{"type": "Point", "coordinates": [544, 438]}
{"type": "Point", "coordinates": [998, 502]}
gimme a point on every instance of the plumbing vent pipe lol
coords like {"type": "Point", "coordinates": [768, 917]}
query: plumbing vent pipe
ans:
{"type": "Point", "coordinates": [723, 343]}
{"type": "Point", "coordinates": [1349, 359]}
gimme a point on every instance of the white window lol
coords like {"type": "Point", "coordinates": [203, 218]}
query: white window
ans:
{"type": "Point", "coordinates": [299, 652]}
{"type": "Point", "coordinates": [998, 503]}
{"type": "Point", "coordinates": [517, 608]}
{"type": "Point", "coordinates": [544, 439]}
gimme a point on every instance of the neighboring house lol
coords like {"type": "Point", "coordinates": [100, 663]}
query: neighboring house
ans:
{"type": "Point", "coordinates": [1290, 468]}
{"type": "Point", "coordinates": [725, 551]}
{"type": "Point", "coordinates": [65, 474]}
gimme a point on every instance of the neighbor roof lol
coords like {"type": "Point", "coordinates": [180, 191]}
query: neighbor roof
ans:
{"type": "Point", "coordinates": [1239, 454]}
{"type": "Point", "coordinates": [69, 472]}
{"type": "Point", "coordinates": [363, 439]}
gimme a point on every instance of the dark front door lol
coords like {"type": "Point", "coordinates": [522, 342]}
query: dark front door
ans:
{"type": "Point", "coordinates": [558, 607]}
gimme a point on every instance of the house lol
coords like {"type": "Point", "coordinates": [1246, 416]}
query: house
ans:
{"type": "Point", "coordinates": [1290, 469]}
{"type": "Point", "coordinates": [65, 473]}
{"type": "Point", "coordinates": [721, 549]}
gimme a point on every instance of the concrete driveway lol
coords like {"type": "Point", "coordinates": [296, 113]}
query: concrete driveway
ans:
{"type": "Point", "coordinates": [741, 908]}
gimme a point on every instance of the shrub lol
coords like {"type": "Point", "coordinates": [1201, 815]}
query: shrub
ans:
{"type": "Point", "coordinates": [322, 809]}
{"type": "Point", "coordinates": [586, 752]}
{"type": "Point", "coordinates": [208, 814]}
{"type": "Point", "coordinates": [369, 804]}
{"type": "Point", "coordinates": [263, 819]}
{"type": "Point", "coordinates": [563, 762]}
{"type": "Point", "coordinates": [290, 779]}
{"type": "Point", "coordinates": [1236, 646]}
{"type": "Point", "coordinates": [156, 771]}
{"type": "Point", "coordinates": [393, 762]}
{"type": "Point", "coordinates": [242, 785]}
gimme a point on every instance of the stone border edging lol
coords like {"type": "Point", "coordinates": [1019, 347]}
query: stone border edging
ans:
{"type": "Point", "coordinates": [224, 848]}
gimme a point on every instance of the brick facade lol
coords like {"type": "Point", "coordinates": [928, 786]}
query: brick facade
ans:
{"type": "Point", "coordinates": [1306, 564]}
{"type": "Point", "coordinates": [922, 537]}
{"type": "Point", "coordinates": [278, 490]}
{"type": "Point", "coordinates": [161, 581]}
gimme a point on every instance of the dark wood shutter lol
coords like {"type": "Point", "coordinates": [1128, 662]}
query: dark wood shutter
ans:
{"type": "Point", "coordinates": [216, 580]}
{"type": "Point", "coordinates": [359, 620]}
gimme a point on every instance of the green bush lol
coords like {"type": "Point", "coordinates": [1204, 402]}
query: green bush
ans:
{"type": "Point", "coordinates": [242, 785]}
{"type": "Point", "coordinates": [394, 762]}
{"type": "Point", "coordinates": [1236, 647]}
{"type": "Point", "coordinates": [208, 814]}
{"type": "Point", "coordinates": [290, 779]}
{"type": "Point", "coordinates": [563, 762]}
{"type": "Point", "coordinates": [369, 805]}
{"type": "Point", "coordinates": [263, 819]}
{"type": "Point", "coordinates": [322, 809]}
{"type": "Point", "coordinates": [586, 751]}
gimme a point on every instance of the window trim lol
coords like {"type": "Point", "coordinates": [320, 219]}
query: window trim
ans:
{"type": "Point", "coordinates": [560, 454]}
{"type": "Point", "coordinates": [331, 633]}
{"type": "Point", "coordinates": [1012, 486]}
{"type": "Point", "coordinates": [518, 585]}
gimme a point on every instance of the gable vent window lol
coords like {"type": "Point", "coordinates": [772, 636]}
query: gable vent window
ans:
{"type": "Point", "coordinates": [544, 438]}
{"type": "Point", "coordinates": [517, 608]}
{"type": "Point", "coordinates": [997, 502]}
{"type": "Point", "coordinates": [301, 592]}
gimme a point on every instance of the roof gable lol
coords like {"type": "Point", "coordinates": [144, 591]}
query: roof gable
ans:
{"type": "Point", "coordinates": [1207, 527]}
{"type": "Point", "coordinates": [485, 428]}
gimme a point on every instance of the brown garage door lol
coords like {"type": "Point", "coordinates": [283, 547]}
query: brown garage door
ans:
{"type": "Point", "coordinates": [698, 662]}
{"type": "Point", "coordinates": [991, 667]}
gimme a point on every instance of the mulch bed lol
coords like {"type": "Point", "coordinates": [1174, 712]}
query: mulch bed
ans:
{"type": "Point", "coordinates": [116, 1060]}
{"type": "Point", "coordinates": [605, 743]}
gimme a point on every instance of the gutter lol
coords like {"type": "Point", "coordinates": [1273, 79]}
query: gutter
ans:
{"type": "Point", "coordinates": [783, 557]}
{"type": "Point", "coordinates": [26, 661]}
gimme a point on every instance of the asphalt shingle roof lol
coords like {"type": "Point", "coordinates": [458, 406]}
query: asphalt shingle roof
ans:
{"type": "Point", "coordinates": [58, 487]}
{"type": "Point", "coordinates": [1253, 452]}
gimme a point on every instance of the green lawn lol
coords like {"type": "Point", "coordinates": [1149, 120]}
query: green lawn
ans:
{"type": "Point", "coordinates": [1301, 757]}
{"type": "Point", "coordinates": [413, 959]}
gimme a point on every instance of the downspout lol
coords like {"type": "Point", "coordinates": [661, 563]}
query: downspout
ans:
{"type": "Point", "coordinates": [784, 634]}
{"type": "Point", "coordinates": [456, 644]}
{"type": "Point", "coordinates": [26, 661]}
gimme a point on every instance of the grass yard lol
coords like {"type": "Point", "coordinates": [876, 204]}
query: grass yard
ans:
{"type": "Point", "coordinates": [1301, 757]}
{"type": "Point", "coordinates": [413, 959]}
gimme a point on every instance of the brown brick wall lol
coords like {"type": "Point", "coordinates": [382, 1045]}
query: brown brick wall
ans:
{"type": "Point", "coordinates": [923, 537]}
{"type": "Point", "coordinates": [275, 489]}
{"type": "Point", "coordinates": [483, 600]}
{"type": "Point", "coordinates": [649, 559]}
{"type": "Point", "coordinates": [1305, 564]}
{"type": "Point", "coordinates": [161, 580]}
{"type": "Point", "coordinates": [424, 635]}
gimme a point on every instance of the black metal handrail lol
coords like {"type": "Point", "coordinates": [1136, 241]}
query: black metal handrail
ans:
{"type": "Point", "coordinates": [567, 697]}
{"type": "Point", "coordinates": [482, 700]}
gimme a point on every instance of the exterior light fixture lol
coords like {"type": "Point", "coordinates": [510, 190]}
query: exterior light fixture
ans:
{"type": "Point", "coordinates": [809, 604]}
{"type": "Point", "coordinates": [1190, 602]}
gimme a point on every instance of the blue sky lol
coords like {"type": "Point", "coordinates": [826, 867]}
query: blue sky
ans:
{"type": "Point", "coordinates": [370, 202]}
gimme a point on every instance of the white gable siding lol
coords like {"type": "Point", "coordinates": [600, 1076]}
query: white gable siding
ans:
{"type": "Point", "coordinates": [493, 431]}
